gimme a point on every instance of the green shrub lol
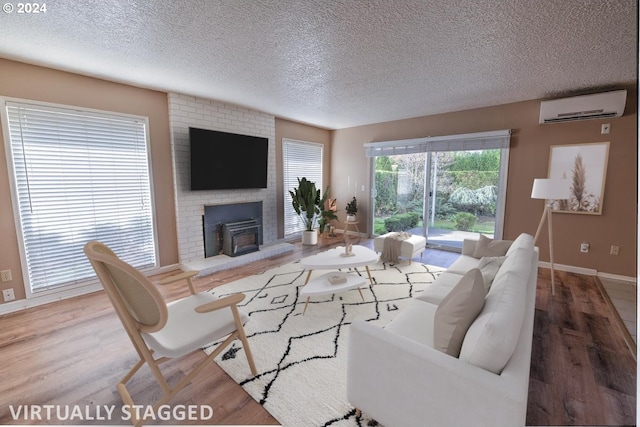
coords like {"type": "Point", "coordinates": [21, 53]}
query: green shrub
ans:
{"type": "Point", "coordinates": [386, 191]}
{"type": "Point", "coordinates": [402, 221]}
{"type": "Point", "coordinates": [445, 210]}
{"type": "Point", "coordinates": [465, 221]}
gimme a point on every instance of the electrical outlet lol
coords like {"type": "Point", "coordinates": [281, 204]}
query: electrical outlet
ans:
{"type": "Point", "coordinates": [8, 295]}
{"type": "Point", "coordinates": [615, 250]}
{"type": "Point", "coordinates": [584, 247]}
{"type": "Point", "coordinates": [5, 275]}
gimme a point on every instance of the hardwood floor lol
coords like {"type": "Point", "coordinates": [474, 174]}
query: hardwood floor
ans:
{"type": "Point", "coordinates": [582, 370]}
{"type": "Point", "coordinates": [73, 352]}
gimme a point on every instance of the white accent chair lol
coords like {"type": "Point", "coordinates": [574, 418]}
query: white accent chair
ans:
{"type": "Point", "coordinates": [159, 331]}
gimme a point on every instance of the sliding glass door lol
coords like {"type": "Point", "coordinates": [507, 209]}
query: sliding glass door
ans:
{"type": "Point", "coordinates": [464, 195]}
{"type": "Point", "coordinates": [399, 201]}
{"type": "Point", "coordinates": [445, 195]}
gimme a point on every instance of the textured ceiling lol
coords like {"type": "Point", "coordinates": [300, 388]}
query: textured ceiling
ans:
{"type": "Point", "coordinates": [341, 63]}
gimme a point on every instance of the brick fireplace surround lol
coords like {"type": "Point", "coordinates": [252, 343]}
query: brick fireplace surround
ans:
{"type": "Point", "coordinates": [188, 111]}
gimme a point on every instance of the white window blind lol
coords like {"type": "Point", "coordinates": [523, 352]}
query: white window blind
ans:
{"type": "Point", "coordinates": [299, 159]}
{"type": "Point", "coordinates": [461, 142]}
{"type": "Point", "coordinates": [79, 176]}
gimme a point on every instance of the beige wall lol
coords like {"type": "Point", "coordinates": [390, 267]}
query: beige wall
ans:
{"type": "Point", "coordinates": [300, 132]}
{"type": "Point", "coordinates": [528, 159]}
{"type": "Point", "coordinates": [24, 81]}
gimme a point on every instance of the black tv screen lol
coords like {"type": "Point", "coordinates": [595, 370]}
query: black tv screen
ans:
{"type": "Point", "coordinates": [221, 160]}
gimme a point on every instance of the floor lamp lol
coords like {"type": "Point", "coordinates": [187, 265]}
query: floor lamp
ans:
{"type": "Point", "coordinates": [549, 189]}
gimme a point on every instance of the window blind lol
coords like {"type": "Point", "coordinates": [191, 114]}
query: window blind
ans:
{"type": "Point", "coordinates": [461, 142]}
{"type": "Point", "coordinates": [299, 159]}
{"type": "Point", "coordinates": [79, 176]}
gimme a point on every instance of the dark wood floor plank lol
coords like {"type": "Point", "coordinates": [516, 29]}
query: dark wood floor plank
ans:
{"type": "Point", "coordinates": [621, 408]}
{"type": "Point", "coordinates": [582, 372]}
{"type": "Point", "coordinates": [609, 369]}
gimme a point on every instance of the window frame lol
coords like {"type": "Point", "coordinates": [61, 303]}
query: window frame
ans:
{"type": "Point", "coordinates": [76, 285]}
{"type": "Point", "coordinates": [286, 195]}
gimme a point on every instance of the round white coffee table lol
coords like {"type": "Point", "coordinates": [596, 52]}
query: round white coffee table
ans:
{"type": "Point", "coordinates": [322, 285]}
{"type": "Point", "coordinates": [336, 259]}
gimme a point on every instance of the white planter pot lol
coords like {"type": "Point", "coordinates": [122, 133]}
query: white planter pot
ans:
{"type": "Point", "coordinates": [351, 218]}
{"type": "Point", "coordinates": [310, 237]}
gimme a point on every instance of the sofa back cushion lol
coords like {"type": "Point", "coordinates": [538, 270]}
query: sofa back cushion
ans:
{"type": "Point", "coordinates": [489, 267]}
{"type": "Point", "coordinates": [457, 311]}
{"type": "Point", "coordinates": [524, 240]}
{"type": "Point", "coordinates": [487, 247]}
{"type": "Point", "coordinates": [492, 337]}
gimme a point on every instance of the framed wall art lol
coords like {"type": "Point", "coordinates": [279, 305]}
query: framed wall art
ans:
{"type": "Point", "coordinates": [585, 165]}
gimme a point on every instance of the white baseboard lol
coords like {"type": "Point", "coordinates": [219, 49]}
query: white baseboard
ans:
{"type": "Point", "coordinates": [23, 304]}
{"type": "Point", "coordinates": [587, 271]}
{"type": "Point", "coordinates": [569, 268]}
{"type": "Point", "coordinates": [618, 277]}
{"type": "Point", "coordinates": [352, 233]}
{"type": "Point", "coordinates": [90, 287]}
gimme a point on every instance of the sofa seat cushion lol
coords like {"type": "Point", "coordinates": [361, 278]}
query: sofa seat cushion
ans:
{"type": "Point", "coordinates": [435, 292]}
{"type": "Point", "coordinates": [491, 339]}
{"type": "Point", "coordinates": [457, 311]}
{"type": "Point", "coordinates": [415, 322]}
{"type": "Point", "coordinates": [463, 264]}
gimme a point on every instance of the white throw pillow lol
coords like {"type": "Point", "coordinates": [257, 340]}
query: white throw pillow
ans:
{"type": "Point", "coordinates": [489, 267]}
{"type": "Point", "coordinates": [489, 247]}
{"type": "Point", "coordinates": [456, 313]}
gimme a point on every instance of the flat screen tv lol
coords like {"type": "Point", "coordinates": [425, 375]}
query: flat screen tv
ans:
{"type": "Point", "coordinates": [221, 160]}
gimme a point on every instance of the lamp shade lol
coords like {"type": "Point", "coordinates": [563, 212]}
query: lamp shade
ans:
{"type": "Point", "coordinates": [550, 189]}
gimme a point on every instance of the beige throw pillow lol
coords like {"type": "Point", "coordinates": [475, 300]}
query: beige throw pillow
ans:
{"type": "Point", "coordinates": [489, 247]}
{"type": "Point", "coordinates": [457, 311]}
{"type": "Point", "coordinates": [489, 267]}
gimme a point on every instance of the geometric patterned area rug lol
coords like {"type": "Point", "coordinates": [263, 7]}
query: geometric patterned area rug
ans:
{"type": "Point", "coordinates": [301, 359]}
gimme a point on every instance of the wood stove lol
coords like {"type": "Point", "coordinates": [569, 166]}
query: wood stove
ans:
{"type": "Point", "coordinates": [240, 237]}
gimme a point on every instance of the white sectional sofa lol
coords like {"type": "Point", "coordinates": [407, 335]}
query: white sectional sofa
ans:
{"type": "Point", "coordinates": [397, 377]}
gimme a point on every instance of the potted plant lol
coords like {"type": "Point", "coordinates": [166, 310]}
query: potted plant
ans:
{"type": "Point", "coordinates": [352, 209]}
{"type": "Point", "coordinates": [308, 204]}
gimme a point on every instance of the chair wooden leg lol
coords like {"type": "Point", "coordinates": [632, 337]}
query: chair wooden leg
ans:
{"type": "Point", "coordinates": [195, 371]}
{"type": "Point", "coordinates": [169, 392]}
{"type": "Point", "coordinates": [192, 289]}
{"type": "Point", "coordinates": [243, 339]}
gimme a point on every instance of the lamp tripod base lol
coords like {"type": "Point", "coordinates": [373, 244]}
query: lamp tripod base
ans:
{"type": "Point", "coordinates": [546, 215]}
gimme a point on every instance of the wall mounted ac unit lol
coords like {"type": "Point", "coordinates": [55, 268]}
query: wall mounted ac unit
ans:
{"type": "Point", "coordinates": [596, 106]}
